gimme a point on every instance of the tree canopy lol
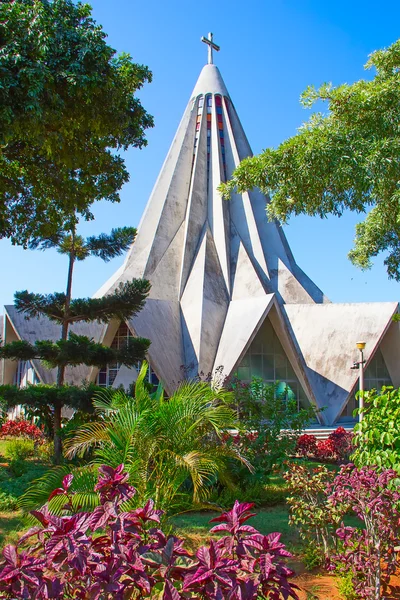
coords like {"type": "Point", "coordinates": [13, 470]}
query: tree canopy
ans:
{"type": "Point", "coordinates": [347, 157]}
{"type": "Point", "coordinates": [67, 106]}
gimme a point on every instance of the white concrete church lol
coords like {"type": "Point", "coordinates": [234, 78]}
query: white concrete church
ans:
{"type": "Point", "coordinates": [226, 290]}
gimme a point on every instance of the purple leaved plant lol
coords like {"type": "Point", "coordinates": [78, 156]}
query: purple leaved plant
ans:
{"type": "Point", "coordinates": [112, 554]}
{"type": "Point", "coordinates": [367, 552]}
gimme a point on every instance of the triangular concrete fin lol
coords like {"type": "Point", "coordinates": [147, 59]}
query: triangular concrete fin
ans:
{"type": "Point", "coordinates": [126, 376]}
{"type": "Point", "coordinates": [192, 300]}
{"type": "Point", "coordinates": [160, 322]}
{"type": "Point", "coordinates": [215, 306]}
{"type": "Point", "coordinates": [245, 281]}
{"type": "Point", "coordinates": [165, 279]}
{"type": "Point", "coordinates": [241, 324]}
{"type": "Point", "coordinates": [289, 288]}
{"type": "Point", "coordinates": [197, 209]}
{"type": "Point", "coordinates": [165, 210]}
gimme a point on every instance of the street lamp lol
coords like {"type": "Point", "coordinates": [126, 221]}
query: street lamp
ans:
{"type": "Point", "coordinates": [360, 365]}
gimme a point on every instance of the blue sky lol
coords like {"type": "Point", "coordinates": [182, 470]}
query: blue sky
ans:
{"type": "Point", "coordinates": [271, 50]}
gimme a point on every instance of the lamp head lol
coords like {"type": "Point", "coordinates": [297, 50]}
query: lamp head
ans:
{"type": "Point", "coordinates": [360, 345]}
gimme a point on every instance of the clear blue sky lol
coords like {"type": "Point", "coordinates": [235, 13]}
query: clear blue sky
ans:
{"type": "Point", "coordinates": [270, 51]}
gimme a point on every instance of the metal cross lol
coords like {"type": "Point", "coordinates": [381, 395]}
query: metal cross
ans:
{"type": "Point", "coordinates": [211, 46]}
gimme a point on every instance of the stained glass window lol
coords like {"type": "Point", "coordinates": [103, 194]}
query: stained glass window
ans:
{"type": "Point", "coordinates": [218, 105]}
{"type": "Point", "coordinates": [198, 124]}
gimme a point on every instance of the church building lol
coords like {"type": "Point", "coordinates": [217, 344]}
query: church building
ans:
{"type": "Point", "coordinates": [226, 292]}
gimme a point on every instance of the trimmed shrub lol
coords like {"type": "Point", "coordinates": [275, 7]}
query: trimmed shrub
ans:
{"type": "Point", "coordinates": [17, 450]}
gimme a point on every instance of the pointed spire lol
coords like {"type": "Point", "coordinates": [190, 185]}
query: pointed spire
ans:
{"type": "Point", "coordinates": [210, 82]}
{"type": "Point", "coordinates": [203, 255]}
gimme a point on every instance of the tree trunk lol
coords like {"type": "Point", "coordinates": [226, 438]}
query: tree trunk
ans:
{"type": "Point", "coordinates": [61, 369]}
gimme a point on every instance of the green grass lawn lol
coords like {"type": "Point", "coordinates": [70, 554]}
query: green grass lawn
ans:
{"type": "Point", "coordinates": [12, 486]}
{"type": "Point", "coordinates": [195, 526]}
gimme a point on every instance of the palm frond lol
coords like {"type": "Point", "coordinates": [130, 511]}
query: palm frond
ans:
{"type": "Point", "coordinates": [87, 436]}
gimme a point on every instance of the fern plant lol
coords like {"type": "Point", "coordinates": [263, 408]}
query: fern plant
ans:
{"type": "Point", "coordinates": [171, 447]}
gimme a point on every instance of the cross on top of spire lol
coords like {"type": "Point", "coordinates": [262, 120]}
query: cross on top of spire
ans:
{"type": "Point", "coordinates": [211, 46]}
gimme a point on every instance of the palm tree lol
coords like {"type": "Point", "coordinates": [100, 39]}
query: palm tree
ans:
{"type": "Point", "coordinates": [171, 447]}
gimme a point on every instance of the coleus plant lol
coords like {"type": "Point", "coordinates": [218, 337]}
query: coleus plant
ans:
{"type": "Point", "coordinates": [117, 553]}
{"type": "Point", "coordinates": [21, 428]}
{"type": "Point", "coordinates": [368, 553]}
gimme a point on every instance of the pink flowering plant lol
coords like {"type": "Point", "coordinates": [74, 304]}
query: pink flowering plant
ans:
{"type": "Point", "coordinates": [114, 553]}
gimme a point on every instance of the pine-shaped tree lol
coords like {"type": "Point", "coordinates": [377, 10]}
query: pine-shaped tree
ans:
{"type": "Point", "coordinates": [71, 349]}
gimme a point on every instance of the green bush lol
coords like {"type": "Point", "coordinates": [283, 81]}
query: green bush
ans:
{"type": "Point", "coordinates": [18, 467]}
{"type": "Point", "coordinates": [45, 452]}
{"type": "Point", "coordinates": [16, 484]}
{"type": "Point", "coordinates": [8, 502]}
{"type": "Point", "coordinates": [313, 557]}
{"type": "Point", "coordinates": [377, 436]}
{"type": "Point", "coordinates": [346, 588]}
{"type": "Point", "coordinates": [270, 426]}
{"type": "Point", "coordinates": [171, 447]}
{"type": "Point", "coordinates": [19, 449]}
{"type": "Point", "coordinates": [268, 494]}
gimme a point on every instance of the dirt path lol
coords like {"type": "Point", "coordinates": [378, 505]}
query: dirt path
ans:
{"type": "Point", "coordinates": [321, 586]}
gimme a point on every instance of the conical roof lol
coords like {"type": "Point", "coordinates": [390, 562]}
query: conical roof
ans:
{"type": "Point", "coordinates": [202, 253]}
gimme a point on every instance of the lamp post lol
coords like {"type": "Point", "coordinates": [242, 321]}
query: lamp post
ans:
{"type": "Point", "coordinates": [361, 346]}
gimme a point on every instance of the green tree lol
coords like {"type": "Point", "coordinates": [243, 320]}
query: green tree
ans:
{"type": "Point", "coordinates": [344, 158]}
{"type": "Point", "coordinates": [126, 301]}
{"type": "Point", "coordinates": [39, 401]}
{"type": "Point", "coordinates": [171, 447]}
{"type": "Point", "coordinates": [67, 106]}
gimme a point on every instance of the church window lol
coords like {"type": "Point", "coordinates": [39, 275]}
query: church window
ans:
{"type": "Point", "coordinates": [198, 124]}
{"type": "Point", "coordinates": [22, 366]}
{"type": "Point", "coordinates": [25, 374]}
{"type": "Point", "coordinates": [108, 374]}
{"type": "Point", "coordinates": [218, 105]}
{"type": "Point", "coordinates": [266, 359]}
{"type": "Point", "coordinates": [376, 376]}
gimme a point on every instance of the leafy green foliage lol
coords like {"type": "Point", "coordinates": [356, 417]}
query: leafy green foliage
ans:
{"type": "Point", "coordinates": [346, 587]}
{"type": "Point", "coordinates": [344, 158]}
{"type": "Point", "coordinates": [39, 399]}
{"type": "Point", "coordinates": [127, 300]}
{"type": "Point", "coordinates": [77, 350]}
{"type": "Point", "coordinates": [67, 106]}
{"type": "Point", "coordinates": [171, 447]}
{"type": "Point", "coordinates": [377, 436]}
{"type": "Point", "coordinates": [270, 427]}
{"type": "Point", "coordinates": [123, 303]}
{"type": "Point", "coordinates": [105, 246]}
{"type": "Point", "coordinates": [310, 510]}
{"type": "Point", "coordinates": [20, 449]}
{"type": "Point", "coordinates": [17, 484]}
{"type": "Point", "coordinates": [8, 502]}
